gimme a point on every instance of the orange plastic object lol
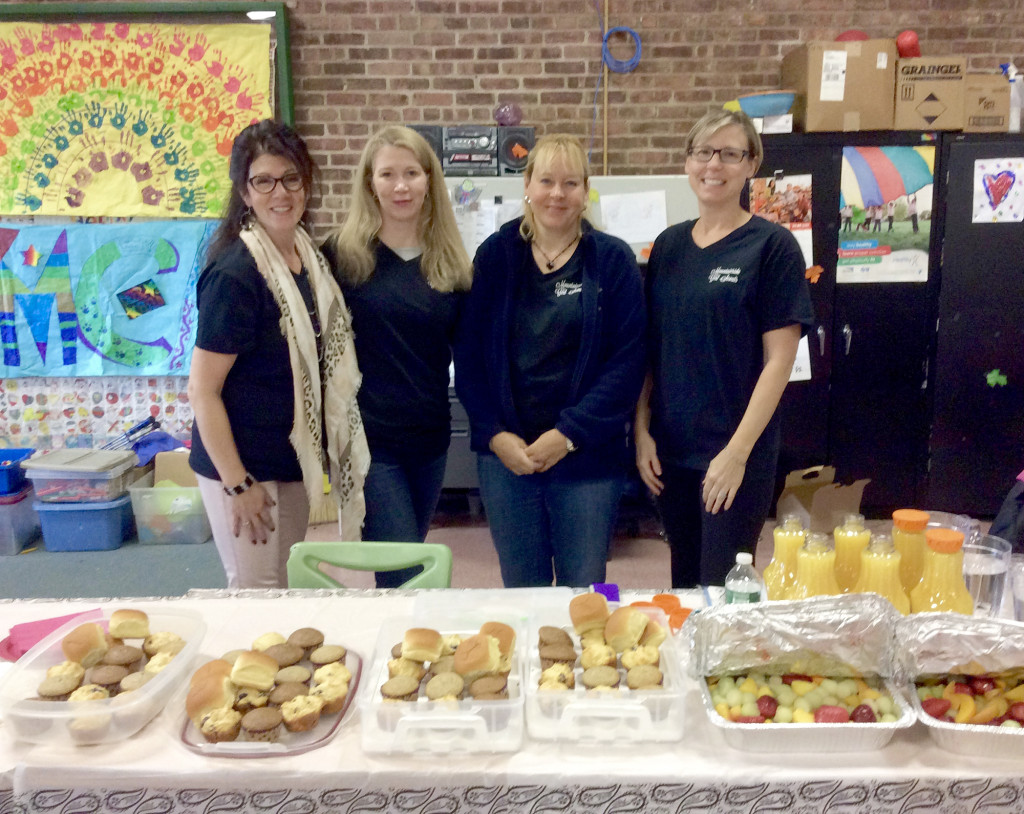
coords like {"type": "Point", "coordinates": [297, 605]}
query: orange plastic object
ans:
{"type": "Point", "coordinates": [667, 602]}
{"type": "Point", "coordinates": [677, 617]}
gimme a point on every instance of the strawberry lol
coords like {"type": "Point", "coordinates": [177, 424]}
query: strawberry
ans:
{"type": "Point", "coordinates": [750, 719]}
{"type": "Point", "coordinates": [982, 684]}
{"type": "Point", "coordinates": [830, 714]}
{"type": "Point", "coordinates": [963, 689]}
{"type": "Point", "coordinates": [863, 714]}
{"type": "Point", "coordinates": [789, 678]}
{"type": "Point", "coordinates": [768, 706]}
{"type": "Point", "coordinates": [1016, 711]}
{"type": "Point", "coordinates": [936, 707]}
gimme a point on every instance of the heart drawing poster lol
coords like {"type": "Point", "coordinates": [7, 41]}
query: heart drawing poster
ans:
{"type": "Point", "coordinates": [998, 190]}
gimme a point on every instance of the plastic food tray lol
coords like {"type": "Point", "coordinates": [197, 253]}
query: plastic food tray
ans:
{"type": "Point", "coordinates": [424, 726]}
{"type": "Point", "coordinates": [848, 737]}
{"type": "Point", "coordinates": [972, 739]}
{"type": "Point", "coordinates": [81, 475]}
{"type": "Point", "coordinates": [113, 719]}
{"type": "Point", "coordinates": [621, 716]}
{"type": "Point", "coordinates": [288, 743]}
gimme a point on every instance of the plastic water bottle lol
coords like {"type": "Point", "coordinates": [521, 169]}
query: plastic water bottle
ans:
{"type": "Point", "coordinates": [743, 583]}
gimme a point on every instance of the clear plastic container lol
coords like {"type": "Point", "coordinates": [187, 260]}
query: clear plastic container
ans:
{"type": "Point", "coordinates": [780, 574]}
{"type": "Point", "coordinates": [62, 723]}
{"type": "Point", "coordinates": [815, 568]}
{"type": "Point", "coordinates": [168, 514]}
{"type": "Point", "coordinates": [19, 522]}
{"type": "Point", "coordinates": [424, 727]}
{"type": "Point", "coordinates": [621, 716]}
{"type": "Point", "coordinates": [81, 475]}
{"type": "Point", "coordinates": [851, 539]}
{"type": "Point", "coordinates": [85, 526]}
{"type": "Point", "coordinates": [942, 586]}
{"type": "Point", "coordinates": [880, 572]}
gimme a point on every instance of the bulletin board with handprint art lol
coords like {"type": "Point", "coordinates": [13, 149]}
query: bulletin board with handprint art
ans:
{"type": "Point", "coordinates": [125, 118]}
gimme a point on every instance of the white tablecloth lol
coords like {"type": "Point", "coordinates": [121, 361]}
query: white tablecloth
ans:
{"type": "Point", "coordinates": [153, 773]}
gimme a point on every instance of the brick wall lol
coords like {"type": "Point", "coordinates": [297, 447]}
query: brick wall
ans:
{"type": "Point", "coordinates": [360, 63]}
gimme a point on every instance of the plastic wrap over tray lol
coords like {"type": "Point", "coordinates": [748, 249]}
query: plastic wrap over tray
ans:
{"type": "Point", "coordinates": [837, 636]}
{"type": "Point", "coordinates": [937, 643]}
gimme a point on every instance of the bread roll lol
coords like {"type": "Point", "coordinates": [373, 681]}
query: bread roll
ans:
{"type": "Point", "coordinates": [86, 644]}
{"type": "Point", "coordinates": [217, 668]}
{"type": "Point", "coordinates": [422, 644]}
{"type": "Point", "coordinates": [588, 612]}
{"type": "Point", "coordinates": [255, 670]}
{"type": "Point", "coordinates": [654, 634]}
{"type": "Point", "coordinates": [506, 637]}
{"type": "Point", "coordinates": [477, 656]}
{"type": "Point", "coordinates": [624, 628]}
{"type": "Point", "coordinates": [126, 623]}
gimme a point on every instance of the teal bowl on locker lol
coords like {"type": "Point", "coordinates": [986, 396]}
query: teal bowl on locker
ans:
{"type": "Point", "coordinates": [767, 103]}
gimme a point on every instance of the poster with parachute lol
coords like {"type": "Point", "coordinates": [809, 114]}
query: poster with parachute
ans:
{"type": "Point", "coordinates": [885, 209]}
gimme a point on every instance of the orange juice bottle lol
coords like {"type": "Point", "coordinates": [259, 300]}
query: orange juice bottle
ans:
{"type": "Point", "coordinates": [780, 574]}
{"type": "Point", "coordinates": [851, 539]}
{"type": "Point", "coordinates": [880, 572]}
{"type": "Point", "coordinates": [942, 586]}
{"type": "Point", "coordinates": [908, 527]}
{"type": "Point", "coordinates": [815, 568]}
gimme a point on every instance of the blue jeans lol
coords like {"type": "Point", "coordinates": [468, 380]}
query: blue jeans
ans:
{"type": "Point", "coordinates": [401, 497]}
{"type": "Point", "coordinates": [547, 528]}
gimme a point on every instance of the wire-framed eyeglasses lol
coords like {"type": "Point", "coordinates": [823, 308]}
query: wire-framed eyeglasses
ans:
{"type": "Point", "coordinates": [265, 184]}
{"type": "Point", "coordinates": [727, 155]}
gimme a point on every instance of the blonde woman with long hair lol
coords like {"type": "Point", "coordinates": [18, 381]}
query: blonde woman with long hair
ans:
{"type": "Point", "coordinates": [548, 368]}
{"type": "Point", "coordinates": [400, 262]}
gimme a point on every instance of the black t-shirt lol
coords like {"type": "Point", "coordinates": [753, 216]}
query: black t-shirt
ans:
{"type": "Point", "coordinates": [547, 324]}
{"type": "Point", "coordinates": [238, 315]}
{"type": "Point", "coordinates": [404, 330]}
{"type": "Point", "coordinates": [707, 312]}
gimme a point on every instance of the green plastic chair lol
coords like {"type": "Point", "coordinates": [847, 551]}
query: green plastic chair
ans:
{"type": "Point", "coordinates": [305, 557]}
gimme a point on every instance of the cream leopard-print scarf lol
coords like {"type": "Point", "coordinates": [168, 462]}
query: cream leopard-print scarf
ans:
{"type": "Point", "coordinates": [335, 394]}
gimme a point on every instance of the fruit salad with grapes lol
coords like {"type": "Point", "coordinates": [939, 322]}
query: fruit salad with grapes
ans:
{"type": "Point", "coordinates": [758, 698]}
{"type": "Point", "coordinates": [963, 699]}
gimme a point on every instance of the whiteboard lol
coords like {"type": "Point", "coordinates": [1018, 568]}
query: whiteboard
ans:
{"type": "Point", "coordinates": [482, 204]}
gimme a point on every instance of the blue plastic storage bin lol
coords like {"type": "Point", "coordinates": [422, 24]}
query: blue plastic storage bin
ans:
{"type": "Point", "coordinates": [19, 523]}
{"type": "Point", "coordinates": [85, 526]}
{"type": "Point", "coordinates": [12, 476]}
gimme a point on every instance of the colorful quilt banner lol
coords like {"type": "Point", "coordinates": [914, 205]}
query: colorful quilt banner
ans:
{"type": "Point", "coordinates": [99, 299]}
{"type": "Point", "coordinates": [126, 119]}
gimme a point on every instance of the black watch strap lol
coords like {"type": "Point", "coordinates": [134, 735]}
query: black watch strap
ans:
{"type": "Point", "coordinates": [244, 486]}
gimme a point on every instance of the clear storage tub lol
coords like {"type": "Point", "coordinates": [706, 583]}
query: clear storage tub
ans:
{"type": "Point", "coordinates": [63, 723]}
{"type": "Point", "coordinates": [423, 727]}
{"type": "Point", "coordinates": [168, 514]}
{"type": "Point", "coordinates": [19, 523]}
{"type": "Point", "coordinates": [81, 475]}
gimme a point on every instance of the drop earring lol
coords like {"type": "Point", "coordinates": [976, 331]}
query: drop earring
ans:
{"type": "Point", "coordinates": [246, 219]}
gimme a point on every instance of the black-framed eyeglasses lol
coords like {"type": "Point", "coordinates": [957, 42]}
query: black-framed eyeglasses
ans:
{"type": "Point", "coordinates": [727, 155]}
{"type": "Point", "coordinates": [265, 184]}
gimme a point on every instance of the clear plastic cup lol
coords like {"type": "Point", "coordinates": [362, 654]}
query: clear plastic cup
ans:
{"type": "Point", "coordinates": [1017, 585]}
{"type": "Point", "coordinates": [986, 562]}
{"type": "Point", "coordinates": [970, 527]}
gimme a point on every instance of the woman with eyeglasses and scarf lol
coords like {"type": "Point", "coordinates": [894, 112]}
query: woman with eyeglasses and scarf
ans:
{"type": "Point", "coordinates": [727, 303]}
{"type": "Point", "coordinates": [274, 377]}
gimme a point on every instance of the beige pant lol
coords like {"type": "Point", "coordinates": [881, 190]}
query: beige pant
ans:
{"type": "Point", "coordinates": [257, 565]}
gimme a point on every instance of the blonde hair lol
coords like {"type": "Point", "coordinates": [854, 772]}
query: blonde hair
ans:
{"type": "Point", "coordinates": [548, 150]}
{"type": "Point", "coordinates": [714, 120]}
{"type": "Point", "coordinates": [444, 262]}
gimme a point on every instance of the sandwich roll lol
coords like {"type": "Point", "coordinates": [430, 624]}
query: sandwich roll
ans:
{"type": "Point", "coordinates": [624, 628]}
{"type": "Point", "coordinates": [255, 670]}
{"type": "Point", "coordinates": [506, 636]}
{"type": "Point", "coordinates": [422, 644]}
{"type": "Point", "coordinates": [477, 656]}
{"type": "Point", "coordinates": [86, 644]}
{"type": "Point", "coordinates": [588, 612]}
{"type": "Point", "coordinates": [127, 623]}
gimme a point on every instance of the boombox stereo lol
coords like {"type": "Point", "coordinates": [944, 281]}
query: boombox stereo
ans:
{"type": "Point", "coordinates": [470, 149]}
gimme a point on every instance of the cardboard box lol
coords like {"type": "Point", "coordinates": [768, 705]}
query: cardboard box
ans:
{"type": "Point", "coordinates": [842, 86]}
{"type": "Point", "coordinates": [174, 466]}
{"type": "Point", "coordinates": [930, 93]}
{"type": "Point", "coordinates": [986, 103]}
{"type": "Point", "coordinates": [820, 503]}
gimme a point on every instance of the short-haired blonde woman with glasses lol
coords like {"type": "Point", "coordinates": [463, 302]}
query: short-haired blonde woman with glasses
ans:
{"type": "Point", "coordinates": [727, 302]}
{"type": "Point", "coordinates": [404, 271]}
{"type": "Point", "coordinates": [549, 368]}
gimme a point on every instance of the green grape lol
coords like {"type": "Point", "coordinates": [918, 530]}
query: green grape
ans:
{"type": "Point", "coordinates": [886, 705]}
{"type": "Point", "coordinates": [785, 695]}
{"type": "Point", "coordinates": [750, 709]}
{"type": "Point", "coordinates": [802, 703]}
{"type": "Point", "coordinates": [734, 698]}
{"type": "Point", "coordinates": [1009, 723]}
{"type": "Point", "coordinates": [784, 715]}
{"type": "Point", "coordinates": [830, 687]}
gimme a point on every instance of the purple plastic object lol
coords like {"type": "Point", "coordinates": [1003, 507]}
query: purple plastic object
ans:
{"type": "Point", "coordinates": [609, 589]}
{"type": "Point", "coordinates": [508, 114]}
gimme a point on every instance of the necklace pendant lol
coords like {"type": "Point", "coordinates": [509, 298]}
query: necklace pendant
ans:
{"type": "Point", "coordinates": [551, 265]}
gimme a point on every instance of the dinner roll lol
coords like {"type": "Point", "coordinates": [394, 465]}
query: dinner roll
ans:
{"type": "Point", "coordinates": [477, 656]}
{"type": "Point", "coordinates": [255, 670]}
{"type": "Point", "coordinates": [588, 612]}
{"type": "Point", "coordinates": [212, 693]}
{"type": "Point", "coordinates": [126, 623]}
{"type": "Point", "coordinates": [506, 637]}
{"type": "Point", "coordinates": [86, 644]}
{"type": "Point", "coordinates": [624, 628]}
{"type": "Point", "coordinates": [422, 644]}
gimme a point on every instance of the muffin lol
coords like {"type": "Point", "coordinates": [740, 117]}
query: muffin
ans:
{"type": "Point", "coordinates": [445, 687]}
{"type": "Point", "coordinates": [489, 688]}
{"type": "Point", "coordinates": [158, 662]}
{"type": "Point", "coordinates": [301, 713]}
{"type": "Point", "coordinates": [89, 692]}
{"type": "Point", "coordinates": [124, 655]}
{"type": "Point", "coordinates": [445, 664]}
{"type": "Point", "coordinates": [597, 655]}
{"type": "Point", "coordinates": [556, 654]}
{"type": "Point", "coordinates": [262, 725]}
{"type": "Point", "coordinates": [327, 653]}
{"type": "Point", "coordinates": [592, 637]}
{"type": "Point", "coordinates": [89, 728]}
{"type": "Point", "coordinates": [552, 686]}
{"type": "Point", "coordinates": [133, 681]}
{"type": "Point", "coordinates": [644, 677]}
{"type": "Point", "coordinates": [405, 667]}
{"type": "Point", "coordinates": [285, 654]}
{"type": "Point", "coordinates": [560, 674]}
{"type": "Point", "coordinates": [450, 643]}
{"type": "Point", "coordinates": [108, 676]}
{"type": "Point", "coordinates": [601, 678]}
{"type": "Point", "coordinates": [266, 640]}
{"type": "Point", "coordinates": [162, 641]}
{"type": "Point", "coordinates": [68, 668]}
{"type": "Point", "coordinates": [250, 698]}
{"type": "Point", "coordinates": [286, 692]}
{"type": "Point", "coordinates": [333, 694]}
{"type": "Point", "coordinates": [221, 725]}
{"type": "Point", "coordinates": [294, 673]}
{"type": "Point", "coordinates": [639, 655]}
{"type": "Point", "coordinates": [553, 635]}
{"type": "Point", "coordinates": [308, 638]}
{"type": "Point", "coordinates": [333, 673]}
{"type": "Point", "coordinates": [399, 688]}
{"type": "Point", "coordinates": [396, 650]}
{"type": "Point", "coordinates": [57, 687]}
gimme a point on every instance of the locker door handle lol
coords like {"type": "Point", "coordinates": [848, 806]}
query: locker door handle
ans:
{"type": "Point", "coordinates": [847, 337]}
{"type": "Point", "coordinates": [821, 341]}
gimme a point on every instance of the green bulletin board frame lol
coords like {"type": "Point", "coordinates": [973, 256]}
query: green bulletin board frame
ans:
{"type": "Point", "coordinates": [227, 11]}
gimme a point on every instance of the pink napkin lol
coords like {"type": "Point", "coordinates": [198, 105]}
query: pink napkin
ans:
{"type": "Point", "coordinates": [26, 635]}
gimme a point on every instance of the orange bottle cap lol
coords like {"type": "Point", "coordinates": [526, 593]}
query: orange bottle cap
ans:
{"type": "Point", "coordinates": [944, 541]}
{"type": "Point", "coordinates": [910, 519]}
